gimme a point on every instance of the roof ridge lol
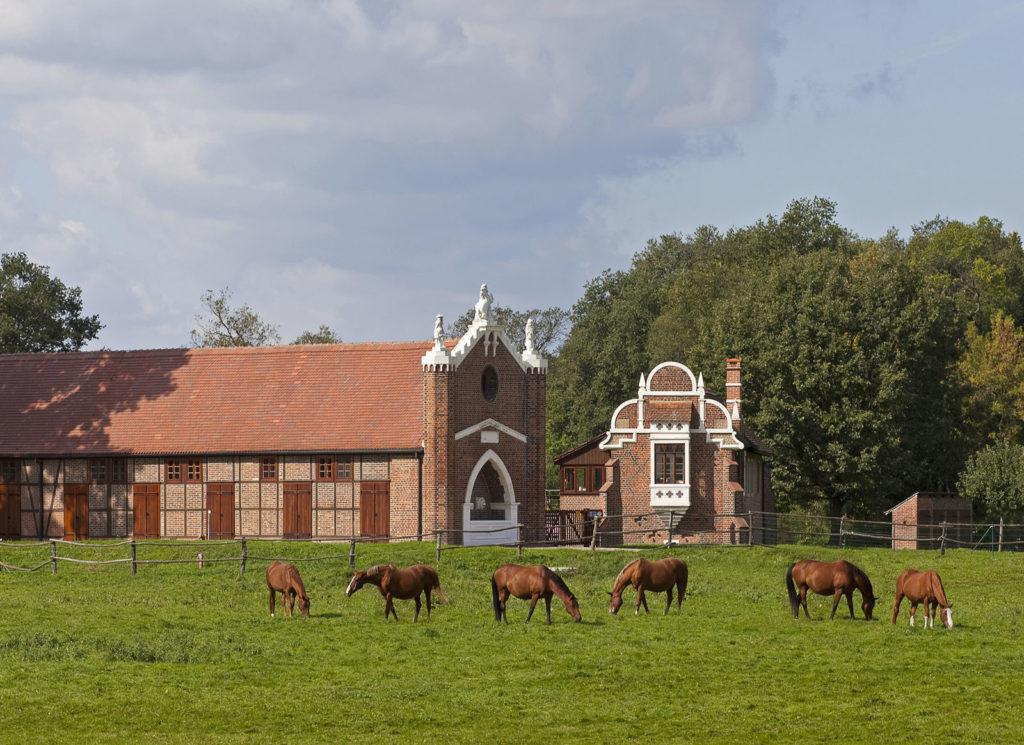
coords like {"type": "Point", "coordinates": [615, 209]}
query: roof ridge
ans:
{"type": "Point", "coordinates": [274, 349]}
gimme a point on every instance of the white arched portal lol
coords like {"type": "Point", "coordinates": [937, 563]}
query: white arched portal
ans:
{"type": "Point", "coordinates": [494, 520]}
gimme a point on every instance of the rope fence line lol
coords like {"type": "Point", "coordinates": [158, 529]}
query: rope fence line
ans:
{"type": "Point", "coordinates": [597, 528]}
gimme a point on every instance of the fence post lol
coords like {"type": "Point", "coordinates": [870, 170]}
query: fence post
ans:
{"type": "Point", "coordinates": [135, 563]}
{"type": "Point", "coordinates": [842, 531]}
{"type": "Point", "coordinates": [519, 549]}
{"type": "Point", "coordinates": [352, 554]}
{"type": "Point", "coordinates": [437, 547]}
{"type": "Point", "coordinates": [53, 556]}
{"type": "Point", "coordinates": [750, 528]}
{"type": "Point", "coordinates": [245, 555]}
{"type": "Point", "coordinates": [942, 540]}
{"type": "Point", "coordinates": [1000, 534]}
{"type": "Point", "coordinates": [671, 522]}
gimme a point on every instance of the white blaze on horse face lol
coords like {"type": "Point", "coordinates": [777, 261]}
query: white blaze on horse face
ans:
{"type": "Point", "coordinates": [948, 617]}
{"type": "Point", "coordinates": [351, 587]}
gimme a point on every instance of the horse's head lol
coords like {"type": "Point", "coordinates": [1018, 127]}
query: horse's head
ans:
{"type": "Point", "coordinates": [573, 607]}
{"type": "Point", "coordinates": [867, 606]}
{"type": "Point", "coordinates": [947, 616]}
{"type": "Point", "coordinates": [359, 579]}
{"type": "Point", "coordinates": [304, 606]}
{"type": "Point", "coordinates": [615, 603]}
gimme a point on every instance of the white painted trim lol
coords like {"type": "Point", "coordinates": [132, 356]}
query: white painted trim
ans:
{"type": "Point", "coordinates": [670, 438]}
{"type": "Point", "coordinates": [503, 474]}
{"type": "Point", "coordinates": [677, 365]}
{"type": "Point", "coordinates": [490, 424]}
{"type": "Point", "coordinates": [491, 334]}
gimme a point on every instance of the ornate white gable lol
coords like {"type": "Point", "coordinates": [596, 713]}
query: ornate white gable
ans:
{"type": "Point", "coordinates": [487, 331]}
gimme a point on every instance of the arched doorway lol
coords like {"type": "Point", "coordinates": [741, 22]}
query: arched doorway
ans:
{"type": "Point", "coordinates": [490, 514]}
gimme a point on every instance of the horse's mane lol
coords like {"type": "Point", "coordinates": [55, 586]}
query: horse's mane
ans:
{"type": "Point", "coordinates": [560, 583]}
{"type": "Point", "coordinates": [377, 569]}
{"type": "Point", "coordinates": [864, 578]}
{"type": "Point", "coordinates": [623, 572]}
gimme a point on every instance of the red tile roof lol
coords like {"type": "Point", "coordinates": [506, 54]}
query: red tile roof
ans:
{"type": "Point", "coordinates": [302, 398]}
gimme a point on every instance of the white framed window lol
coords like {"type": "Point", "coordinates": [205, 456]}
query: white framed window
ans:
{"type": "Point", "coordinates": [670, 462]}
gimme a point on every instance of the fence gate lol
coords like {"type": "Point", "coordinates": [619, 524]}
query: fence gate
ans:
{"type": "Point", "coordinates": [374, 509]}
{"type": "Point", "coordinates": [10, 511]}
{"type": "Point", "coordinates": [146, 510]}
{"type": "Point", "coordinates": [76, 511]}
{"type": "Point", "coordinates": [220, 506]}
{"type": "Point", "coordinates": [298, 509]}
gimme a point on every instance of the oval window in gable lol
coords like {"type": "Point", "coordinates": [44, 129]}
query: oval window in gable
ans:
{"type": "Point", "coordinates": [489, 383]}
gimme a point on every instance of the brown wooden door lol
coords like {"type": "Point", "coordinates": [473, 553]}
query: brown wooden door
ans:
{"type": "Point", "coordinates": [76, 512]}
{"type": "Point", "coordinates": [146, 509]}
{"type": "Point", "coordinates": [374, 509]}
{"type": "Point", "coordinates": [10, 511]}
{"type": "Point", "coordinates": [298, 509]}
{"type": "Point", "coordinates": [220, 506]}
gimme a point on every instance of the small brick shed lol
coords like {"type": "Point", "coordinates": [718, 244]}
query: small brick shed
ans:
{"type": "Point", "coordinates": [917, 520]}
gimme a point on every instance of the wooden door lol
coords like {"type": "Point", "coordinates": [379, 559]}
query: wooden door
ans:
{"type": "Point", "coordinates": [220, 510]}
{"type": "Point", "coordinates": [374, 509]}
{"type": "Point", "coordinates": [10, 511]}
{"type": "Point", "coordinates": [146, 509]}
{"type": "Point", "coordinates": [298, 509]}
{"type": "Point", "coordinates": [76, 512]}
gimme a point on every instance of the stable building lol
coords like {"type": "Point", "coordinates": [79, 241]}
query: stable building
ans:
{"type": "Point", "coordinates": [375, 440]}
{"type": "Point", "coordinates": [674, 456]}
{"type": "Point", "coordinates": [920, 520]}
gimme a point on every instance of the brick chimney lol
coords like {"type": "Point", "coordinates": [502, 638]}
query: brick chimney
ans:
{"type": "Point", "coordinates": [733, 387]}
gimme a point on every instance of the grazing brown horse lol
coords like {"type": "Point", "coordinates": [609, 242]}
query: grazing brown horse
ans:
{"type": "Point", "coordinates": [657, 576]}
{"type": "Point", "coordinates": [923, 587]}
{"type": "Point", "coordinates": [530, 583]}
{"type": "Point", "coordinates": [403, 584]}
{"type": "Point", "coordinates": [836, 578]}
{"type": "Point", "coordinates": [284, 578]}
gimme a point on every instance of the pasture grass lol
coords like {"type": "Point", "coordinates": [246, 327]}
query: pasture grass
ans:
{"type": "Point", "coordinates": [177, 654]}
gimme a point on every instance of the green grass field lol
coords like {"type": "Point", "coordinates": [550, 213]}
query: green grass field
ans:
{"type": "Point", "coordinates": [176, 654]}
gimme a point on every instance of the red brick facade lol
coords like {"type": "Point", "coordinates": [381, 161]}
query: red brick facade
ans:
{"type": "Point", "coordinates": [676, 455]}
{"type": "Point", "coordinates": [401, 435]}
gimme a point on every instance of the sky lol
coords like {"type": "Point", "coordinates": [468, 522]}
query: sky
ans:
{"type": "Point", "coordinates": [367, 164]}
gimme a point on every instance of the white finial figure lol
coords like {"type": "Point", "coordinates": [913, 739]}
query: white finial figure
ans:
{"type": "Point", "coordinates": [529, 337]}
{"type": "Point", "coordinates": [483, 306]}
{"type": "Point", "coordinates": [439, 333]}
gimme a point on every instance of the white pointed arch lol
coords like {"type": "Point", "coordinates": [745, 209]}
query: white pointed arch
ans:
{"type": "Point", "coordinates": [503, 475]}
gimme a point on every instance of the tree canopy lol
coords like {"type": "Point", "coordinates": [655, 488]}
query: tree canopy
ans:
{"type": "Point", "coordinates": [323, 335]}
{"type": "Point", "coordinates": [38, 312]}
{"type": "Point", "coordinates": [221, 325]}
{"type": "Point", "coordinates": [855, 351]}
{"type": "Point", "coordinates": [994, 479]}
{"type": "Point", "coordinates": [550, 325]}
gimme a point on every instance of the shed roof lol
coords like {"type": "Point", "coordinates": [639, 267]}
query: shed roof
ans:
{"type": "Point", "coordinates": [297, 398]}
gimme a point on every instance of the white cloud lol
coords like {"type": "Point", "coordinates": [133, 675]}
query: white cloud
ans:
{"type": "Point", "coordinates": [421, 141]}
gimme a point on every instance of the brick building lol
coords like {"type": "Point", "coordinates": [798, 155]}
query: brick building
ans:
{"type": "Point", "coordinates": [917, 521]}
{"type": "Point", "coordinates": [322, 441]}
{"type": "Point", "coordinates": [674, 454]}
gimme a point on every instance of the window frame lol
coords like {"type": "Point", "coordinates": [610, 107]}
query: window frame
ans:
{"type": "Point", "coordinates": [680, 458]}
{"type": "Point", "coordinates": [197, 463]}
{"type": "Point", "coordinates": [263, 463]}
{"type": "Point", "coordinates": [319, 465]}
{"type": "Point", "coordinates": [10, 465]}
{"type": "Point", "coordinates": [179, 465]}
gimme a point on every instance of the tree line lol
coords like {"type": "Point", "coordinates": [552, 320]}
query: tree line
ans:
{"type": "Point", "coordinates": [872, 367]}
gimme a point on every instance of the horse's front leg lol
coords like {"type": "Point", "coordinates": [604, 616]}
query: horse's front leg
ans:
{"type": "Point", "coordinates": [849, 601]}
{"type": "Point", "coordinates": [668, 603]}
{"type": "Point", "coordinates": [547, 607]}
{"type": "Point", "coordinates": [643, 600]}
{"type": "Point", "coordinates": [533, 604]}
{"type": "Point", "coordinates": [416, 615]}
{"type": "Point", "coordinates": [835, 603]}
{"type": "Point", "coordinates": [913, 613]}
{"type": "Point", "coordinates": [389, 608]}
{"type": "Point", "coordinates": [291, 604]}
{"type": "Point", "coordinates": [427, 592]}
{"type": "Point", "coordinates": [273, 597]}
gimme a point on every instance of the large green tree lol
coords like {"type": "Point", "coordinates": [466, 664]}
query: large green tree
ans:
{"type": "Point", "coordinates": [851, 347]}
{"type": "Point", "coordinates": [38, 312]}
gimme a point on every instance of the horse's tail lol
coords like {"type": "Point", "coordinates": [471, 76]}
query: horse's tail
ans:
{"type": "Point", "coordinates": [437, 589]}
{"type": "Point", "coordinates": [684, 576]}
{"type": "Point", "coordinates": [938, 590]}
{"type": "Point", "coordinates": [495, 603]}
{"type": "Point", "coordinates": [794, 599]}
